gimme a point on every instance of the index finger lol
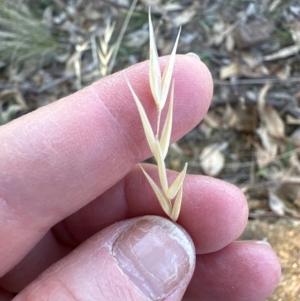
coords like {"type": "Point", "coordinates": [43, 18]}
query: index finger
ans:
{"type": "Point", "coordinates": [60, 157]}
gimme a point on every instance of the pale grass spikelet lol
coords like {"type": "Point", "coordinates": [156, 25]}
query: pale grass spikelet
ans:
{"type": "Point", "coordinates": [105, 51]}
{"type": "Point", "coordinates": [169, 197]}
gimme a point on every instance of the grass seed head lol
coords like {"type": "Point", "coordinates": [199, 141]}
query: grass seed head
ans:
{"type": "Point", "coordinates": [159, 144]}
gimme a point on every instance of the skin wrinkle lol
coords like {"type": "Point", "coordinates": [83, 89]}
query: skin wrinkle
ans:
{"type": "Point", "coordinates": [38, 154]}
{"type": "Point", "coordinates": [7, 214]}
{"type": "Point", "coordinates": [73, 234]}
{"type": "Point", "coordinates": [128, 187]}
{"type": "Point", "coordinates": [85, 155]}
{"type": "Point", "coordinates": [89, 213]}
{"type": "Point", "coordinates": [71, 239]}
{"type": "Point", "coordinates": [48, 144]}
{"type": "Point", "coordinates": [104, 106]}
{"type": "Point", "coordinates": [119, 194]}
{"type": "Point", "coordinates": [13, 219]}
{"type": "Point", "coordinates": [46, 250]}
{"type": "Point", "coordinates": [10, 151]}
{"type": "Point", "coordinates": [117, 128]}
{"type": "Point", "coordinates": [107, 195]}
{"type": "Point", "coordinates": [60, 286]}
{"type": "Point", "coordinates": [116, 288]}
{"type": "Point", "coordinates": [31, 224]}
{"type": "Point", "coordinates": [132, 120]}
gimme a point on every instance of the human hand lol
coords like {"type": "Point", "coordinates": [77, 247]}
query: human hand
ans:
{"type": "Point", "coordinates": [68, 171]}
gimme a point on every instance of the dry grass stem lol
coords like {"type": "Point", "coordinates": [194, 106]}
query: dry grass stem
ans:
{"type": "Point", "coordinates": [105, 51]}
{"type": "Point", "coordinates": [169, 197]}
{"type": "Point", "coordinates": [76, 60]}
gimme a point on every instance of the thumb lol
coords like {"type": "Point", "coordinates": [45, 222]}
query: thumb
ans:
{"type": "Point", "coordinates": [146, 258]}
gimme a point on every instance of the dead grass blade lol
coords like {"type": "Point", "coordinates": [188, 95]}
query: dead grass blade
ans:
{"type": "Point", "coordinates": [262, 98]}
{"type": "Point", "coordinates": [162, 172]}
{"type": "Point", "coordinates": [104, 57]}
{"type": "Point", "coordinates": [145, 121]}
{"type": "Point", "coordinates": [166, 132]}
{"type": "Point", "coordinates": [121, 35]}
{"type": "Point", "coordinates": [173, 190]}
{"type": "Point", "coordinates": [154, 69]}
{"type": "Point", "coordinates": [164, 202]}
{"type": "Point", "coordinates": [167, 75]}
{"type": "Point", "coordinates": [177, 204]}
{"type": "Point", "coordinates": [106, 51]}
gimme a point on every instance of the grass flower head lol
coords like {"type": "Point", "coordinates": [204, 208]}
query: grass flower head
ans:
{"type": "Point", "coordinates": [169, 196]}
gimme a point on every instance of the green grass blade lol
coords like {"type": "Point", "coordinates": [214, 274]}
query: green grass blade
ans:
{"type": "Point", "coordinates": [166, 132]}
{"type": "Point", "coordinates": [172, 191]}
{"type": "Point", "coordinates": [164, 202]}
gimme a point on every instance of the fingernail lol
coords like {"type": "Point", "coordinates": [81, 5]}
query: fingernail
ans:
{"type": "Point", "coordinates": [156, 255]}
{"type": "Point", "coordinates": [262, 242]}
{"type": "Point", "coordinates": [255, 242]}
{"type": "Point", "coordinates": [194, 55]}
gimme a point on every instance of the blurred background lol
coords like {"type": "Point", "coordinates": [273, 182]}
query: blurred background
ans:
{"type": "Point", "coordinates": [251, 134]}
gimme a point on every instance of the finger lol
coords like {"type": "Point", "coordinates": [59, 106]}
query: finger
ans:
{"type": "Point", "coordinates": [242, 271]}
{"type": "Point", "coordinates": [60, 157]}
{"type": "Point", "coordinates": [213, 212]}
{"type": "Point", "coordinates": [46, 252]}
{"type": "Point", "coordinates": [5, 296]}
{"type": "Point", "coordinates": [148, 258]}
